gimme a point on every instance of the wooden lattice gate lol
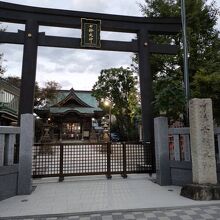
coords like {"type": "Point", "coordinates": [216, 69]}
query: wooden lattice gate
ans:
{"type": "Point", "coordinates": [59, 160]}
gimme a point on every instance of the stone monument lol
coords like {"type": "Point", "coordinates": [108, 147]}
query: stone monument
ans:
{"type": "Point", "coordinates": [203, 152]}
{"type": "Point", "coordinates": [93, 136]}
{"type": "Point", "coordinates": [46, 137]}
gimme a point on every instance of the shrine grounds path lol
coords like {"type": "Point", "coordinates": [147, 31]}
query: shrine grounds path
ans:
{"type": "Point", "coordinates": [96, 198]}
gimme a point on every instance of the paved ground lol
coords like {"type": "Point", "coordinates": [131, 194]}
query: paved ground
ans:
{"type": "Point", "coordinates": [184, 213]}
{"type": "Point", "coordinates": [109, 199]}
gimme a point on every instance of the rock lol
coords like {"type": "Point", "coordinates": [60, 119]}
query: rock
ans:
{"type": "Point", "coordinates": [202, 192]}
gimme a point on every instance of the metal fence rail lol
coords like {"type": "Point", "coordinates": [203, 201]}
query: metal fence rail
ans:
{"type": "Point", "coordinates": [75, 159]}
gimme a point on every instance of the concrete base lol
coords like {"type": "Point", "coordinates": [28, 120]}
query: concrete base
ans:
{"type": "Point", "coordinates": [202, 192]}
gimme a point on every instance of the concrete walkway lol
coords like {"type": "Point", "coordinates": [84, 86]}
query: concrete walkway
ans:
{"type": "Point", "coordinates": [95, 194]}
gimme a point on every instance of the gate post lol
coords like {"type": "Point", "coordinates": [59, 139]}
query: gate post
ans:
{"type": "Point", "coordinates": [124, 174]}
{"type": "Point", "coordinates": [26, 107]}
{"type": "Point", "coordinates": [108, 175]}
{"type": "Point", "coordinates": [61, 177]}
{"type": "Point", "coordinates": [146, 94]}
{"type": "Point", "coordinates": [25, 154]}
{"type": "Point", "coordinates": [29, 68]}
{"type": "Point", "coordinates": [163, 175]}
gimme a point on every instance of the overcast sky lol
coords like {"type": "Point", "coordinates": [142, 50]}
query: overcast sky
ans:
{"type": "Point", "coordinates": [71, 67]}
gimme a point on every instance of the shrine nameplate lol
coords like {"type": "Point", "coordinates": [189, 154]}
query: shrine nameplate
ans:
{"type": "Point", "coordinates": [90, 33]}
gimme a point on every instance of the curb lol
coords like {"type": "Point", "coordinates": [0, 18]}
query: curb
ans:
{"type": "Point", "coordinates": [81, 214]}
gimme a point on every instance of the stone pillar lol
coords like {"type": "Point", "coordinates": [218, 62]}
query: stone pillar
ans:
{"type": "Point", "coordinates": [82, 129]}
{"type": "Point", "coordinates": [202, 141]}
{"type": "Point", "coordinates": [9, 149]}
{"type": "Point", "coordinates": [61, 131]}
{"type": "Point", "coordinates": [203, 152]}
{"type": "Point", "coordinates": [2, 149]}
{"type": "Point", "coordinates": [162, 151]}
{"type": "Point", "coordinates": [140, 132]}
{"type": "Point", "coordinates": [25, 154]}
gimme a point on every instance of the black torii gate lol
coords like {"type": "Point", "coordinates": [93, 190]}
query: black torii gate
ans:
{"type": "Point", "coordinates": [33, 17]}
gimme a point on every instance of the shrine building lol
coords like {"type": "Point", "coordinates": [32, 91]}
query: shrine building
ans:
{"type": "Point", "coordinates": [70, 114]}
{"type": "Point", "coordinates": [9, 99]}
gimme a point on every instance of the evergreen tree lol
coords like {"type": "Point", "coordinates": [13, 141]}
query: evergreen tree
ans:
{"type": "Point", "coordinates": [2, 68]}
{"type": "Point", "coordinates": [118, 85]}
{"type": "Point", "coordinates": [204, 57]}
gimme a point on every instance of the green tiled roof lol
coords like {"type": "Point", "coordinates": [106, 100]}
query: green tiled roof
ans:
{"type": "Point", "coordinates": [85, 96]}
{"type": "Point", "coordinates": [81, 110]}
{"type": "Point", "coordinates": [7, 110]}
{"type": "Point", "coordinates": [60, 96]}
{"type": "Point", "coordinates": [88, 98]}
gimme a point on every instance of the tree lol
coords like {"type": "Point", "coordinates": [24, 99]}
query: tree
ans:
{"type": "Point", "coordinates": [13, 80]}
{"type": "Point", "coordinates": [48, 92]}
{"type": "Point", "coordinates": [169, 97]}
{"type": "Point", "coordinates": [118, 85]}
{"type": "Point", "coordinates": [16, 81]}
{"type": "Point", "coordinates": [204, 44]}
{"type": "Point", "coordinates": [2, 68]}
{"type": "Point", "coordinates": [41, 94]}
{"type": "Point", "coordinates": [208, 86]}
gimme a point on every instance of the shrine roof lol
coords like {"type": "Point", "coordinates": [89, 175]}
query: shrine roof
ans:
{"type": "Point", "coordinates": [8, 112]}
{"type": "Point", "coordinates": [65, 101]}
{"type": "Point", "coordinates": [81, 110]}
{"type": "Point", "coordinates": [84, 96]}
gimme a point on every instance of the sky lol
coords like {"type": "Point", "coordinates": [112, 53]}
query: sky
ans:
{"type": "Point", "coordinates": [73, 68]}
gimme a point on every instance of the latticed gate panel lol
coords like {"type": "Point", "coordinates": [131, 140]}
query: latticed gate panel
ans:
{"type": "Point", "coordinates": [46, 160]}
{"type": "Point", "coordinates": [82, 159]}
{"type": "Point", "coordinates": [116, 158]}
{"type": "Point", "coordinates": [74, 159]}
{"type": "Point", "coordinates": [139, 158]}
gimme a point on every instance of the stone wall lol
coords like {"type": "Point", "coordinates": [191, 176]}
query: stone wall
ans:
{"type": "Point", "coordinates": [175, 171]}
{"type": "Point", "coordinates": [16, 178]}
{"type": "Point", "coordinates": [181, 173]}
{"type": "Point", "coordinates": [8, 169]}
{"type": "Point", "coordinates": [8, 181]}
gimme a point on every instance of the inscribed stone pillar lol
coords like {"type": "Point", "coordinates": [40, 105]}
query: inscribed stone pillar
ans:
{"type": "Point", "coordinates": [202, 141]}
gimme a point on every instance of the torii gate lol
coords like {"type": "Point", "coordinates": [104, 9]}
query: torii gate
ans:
{"type": "Point", "coordinates": [31, 38]}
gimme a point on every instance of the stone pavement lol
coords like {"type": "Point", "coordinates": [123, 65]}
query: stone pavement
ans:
{"type": "Point", "coordinates": [99, 197]}
{"type": "Point", "coordinates": [184, 213]}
